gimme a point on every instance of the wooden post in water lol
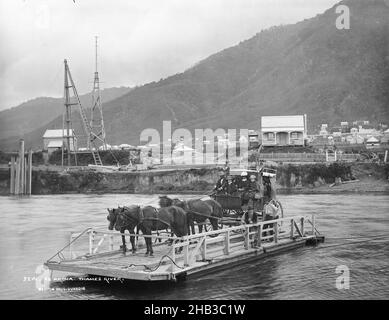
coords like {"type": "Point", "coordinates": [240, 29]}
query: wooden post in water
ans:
{"type": "Point", "coordinates": [21, 164]}
{"type": "Point", "coordinates": [29, 189]}
{"type": "Point", "coordinates": [21, 171]}
{"type": "Point", "coordinates": [17, 176]}
{"type": "Point", "coordinates": [25, 175]}
{"type": "Point", "coordinates": [12, 178]}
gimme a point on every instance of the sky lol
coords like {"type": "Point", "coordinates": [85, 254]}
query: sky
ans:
{"type": "Point", "coordinates": [139, 41]}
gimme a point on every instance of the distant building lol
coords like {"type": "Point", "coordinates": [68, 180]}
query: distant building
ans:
{"type": "Point", "coordinates": [125, 146]}
{"type": "Point", "coordinates": [361, 123]}
{"type": "Point", "coordinates": [323, 130]}
{"type": "Point", "coordinates": [253, 138]}
{"type": "Point", "coordinates": [344, 127]}
{"type": "Point", "coordinates": [55, 139]}
{"type": "Point", "coordinates": [357, 139]}
{"type": "Point", "coordinates": [372, 142]}
{"type": "Point", "coordinates": [354, 131]}
{"type": "Point", "coordinates": [284, 130]}
{"type": "Point", "coordinates": [368, 132]}
{"type": "Point", "coordinates": [337, 131]}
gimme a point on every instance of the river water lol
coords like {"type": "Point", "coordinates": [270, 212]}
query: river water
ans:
{"type": "Point", "coordinates": [33, 228]}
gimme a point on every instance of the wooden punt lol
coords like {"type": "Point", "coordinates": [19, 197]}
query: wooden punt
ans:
{"type": "Point", "coordinates": [93, 251]}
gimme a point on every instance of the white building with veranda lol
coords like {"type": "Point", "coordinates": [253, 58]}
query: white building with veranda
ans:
{"type": "Point", "coordinates": [284, 130]}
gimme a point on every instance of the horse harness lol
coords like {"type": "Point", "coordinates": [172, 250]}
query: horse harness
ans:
{"type": "Point", "coordinates": [198, 213]}
{"type": "Point", "coordinates": [154, 219]}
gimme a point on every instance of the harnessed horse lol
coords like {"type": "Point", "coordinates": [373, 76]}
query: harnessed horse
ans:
{"type": "Point", "coordinates": [149, 219]}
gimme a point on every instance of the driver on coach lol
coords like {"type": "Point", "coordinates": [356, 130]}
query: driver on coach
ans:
{"type": "Point", "coordinates": [220, 184]}
{"type": "Point", "coordinates": [243, 187]}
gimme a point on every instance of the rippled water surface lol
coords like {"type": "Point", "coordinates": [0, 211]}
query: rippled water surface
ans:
{"type": "Point", "coordinates": [34, 228]}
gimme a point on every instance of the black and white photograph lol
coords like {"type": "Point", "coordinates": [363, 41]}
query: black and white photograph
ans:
{"type": "Point", "coordinates": [208, 152]}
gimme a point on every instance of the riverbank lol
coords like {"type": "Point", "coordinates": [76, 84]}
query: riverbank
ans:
{"type": "Point", "coordinates": [291, 179]}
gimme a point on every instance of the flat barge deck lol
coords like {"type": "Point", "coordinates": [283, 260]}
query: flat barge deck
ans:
{"type": "Point", "coordinates": [93, 251]}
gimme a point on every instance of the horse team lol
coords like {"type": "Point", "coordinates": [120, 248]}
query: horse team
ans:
{"type": "Point", "coordinates": [174, 214]}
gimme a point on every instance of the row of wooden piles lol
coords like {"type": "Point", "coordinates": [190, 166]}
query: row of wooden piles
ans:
{"type": "Point", "coordinates": [21, 171]}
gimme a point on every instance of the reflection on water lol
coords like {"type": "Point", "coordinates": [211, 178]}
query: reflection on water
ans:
{"type": "Point", "coordinates": [32, 229]}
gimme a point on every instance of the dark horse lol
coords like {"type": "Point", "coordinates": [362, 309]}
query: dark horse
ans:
{"type": "Point", "coordinates": [197, 210]}
{"type": "Point", "coordinates": [112, 218]}
{"type": "Point", "coordinates": [149, 219]}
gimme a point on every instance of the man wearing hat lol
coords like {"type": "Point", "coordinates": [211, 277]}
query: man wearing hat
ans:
{"type": "Point", "coordinates": [221, 182]}
{"type": "Point", "coordinates": [243, 188]}
{"type": "Point", "coordinates": [230, 187]}
{"type": "Point", "coordinates": [253, 185]}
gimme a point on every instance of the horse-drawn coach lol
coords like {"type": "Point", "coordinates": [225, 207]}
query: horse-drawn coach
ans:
{"type": "Point", "coordinates": [251, 191]}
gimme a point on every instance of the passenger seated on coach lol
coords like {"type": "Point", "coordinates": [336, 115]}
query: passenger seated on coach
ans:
{"type": "Point", "coordinates": [253, 186]}
{"type": "Point", "coordinates": [220, 183]}
{"type": "Point", "coordinates": [230, 187]}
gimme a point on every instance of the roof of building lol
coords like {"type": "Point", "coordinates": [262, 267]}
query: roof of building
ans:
{"type": "Point", "coordinates": [372, 140]}
{"type": "Point", "coordinates": [55, 144]}
{"type": "Point", "coordinates": [181, 148]}
{"type": "Point", "coordinates": [286, 123]}
{"type": "Point", "coordinates": [57, 133]}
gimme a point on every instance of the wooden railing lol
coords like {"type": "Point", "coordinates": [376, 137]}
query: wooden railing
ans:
{"type": "Point", "coordinates": [186, 251]}
{"type": "Point", "coordinates": [224, 241]}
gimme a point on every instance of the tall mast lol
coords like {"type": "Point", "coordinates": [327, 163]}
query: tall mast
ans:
{"type": "Point", "coordinates": [68, 113]}
{"type": "Point", "coordinates": [69, 84]}
{"type": "Point", "coordinates": [96, 119]}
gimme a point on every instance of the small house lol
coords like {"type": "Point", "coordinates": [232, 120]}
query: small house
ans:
{"type": "Point", "coordinates": [284, 130]}
{"type": "Point", "coordinates": [56, 139]}
{"type": "Point", "coordinates": [372, 142]}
